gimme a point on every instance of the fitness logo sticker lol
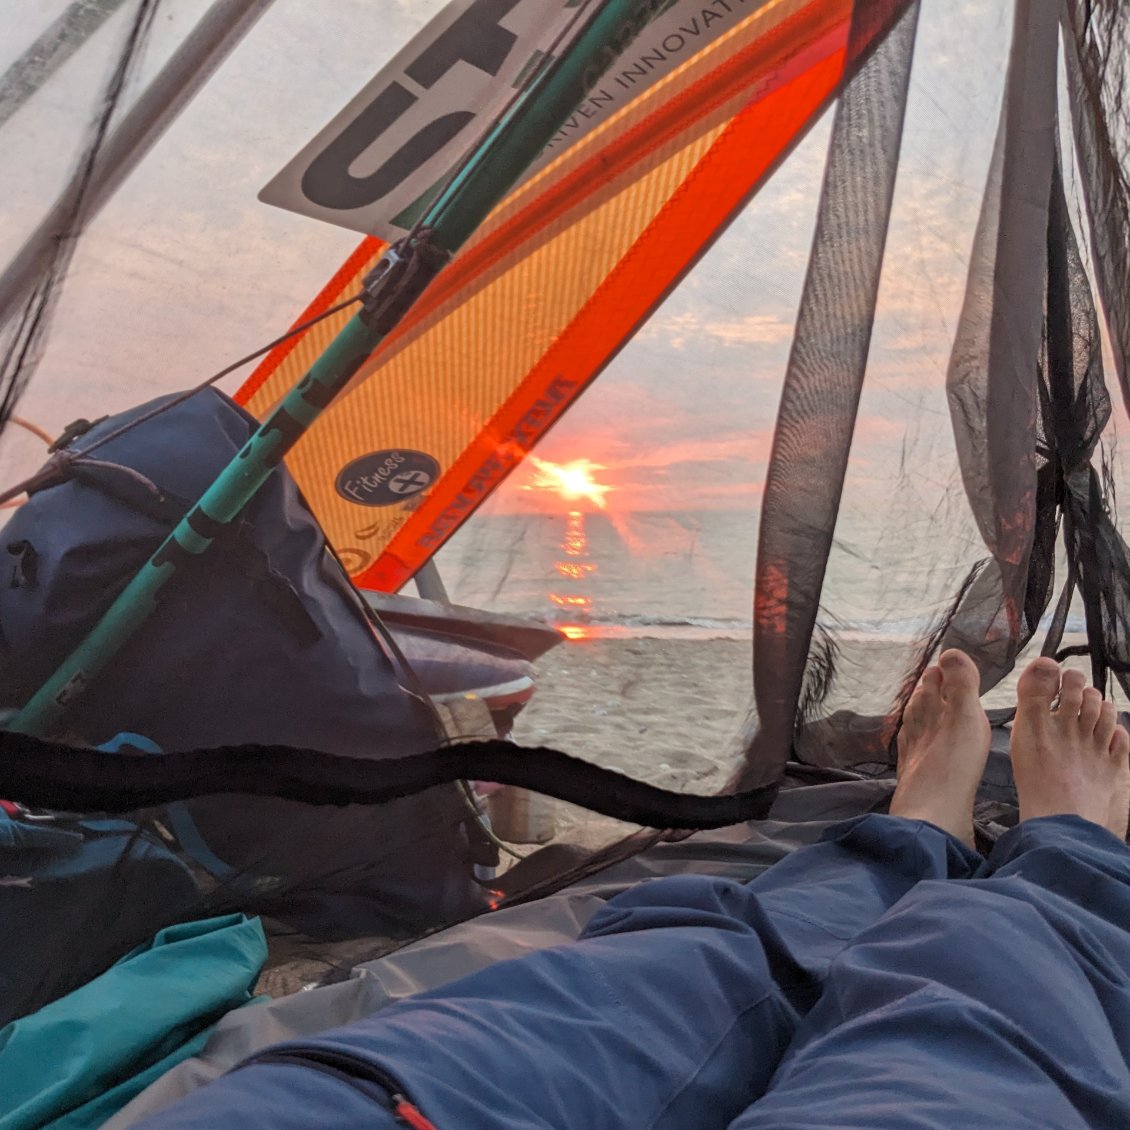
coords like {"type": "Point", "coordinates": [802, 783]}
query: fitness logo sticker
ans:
{"type": "Point", "coordinates": [384, 478]}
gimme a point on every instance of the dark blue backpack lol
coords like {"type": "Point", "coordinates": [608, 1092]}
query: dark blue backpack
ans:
{"type": "Point", "coordinates": [266, 642]}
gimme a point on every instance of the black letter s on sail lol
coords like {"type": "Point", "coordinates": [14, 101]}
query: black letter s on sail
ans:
{"type": "Point", "coordinates": [475, 38]}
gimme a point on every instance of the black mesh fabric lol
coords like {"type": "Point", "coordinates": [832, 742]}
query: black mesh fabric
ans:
{"type": "Point", "coordinates": [1049, 374]}
{"type": "Point", "coordinates": [821, 394]}
{"type": "Point", "coordinates": [23, 331]}
{"type": "Point", "coordinates": [1018, 460]}
{"type": "Point", "coordinates": [1097, 57]}
{"type": "Point", "coordinates": [96, 830]}
{"type": "Point", "coordinates": [992, 378]}
{"type": "Point", "coordinates": [1027, 402]}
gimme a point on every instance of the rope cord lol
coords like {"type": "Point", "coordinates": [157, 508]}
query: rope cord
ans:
{"type": "Point", "coordinates": [35, 480]}
{"type": "Point", "coordinates": [219, 376]}
{"type": "Point", "coordinates": [10, 501]}
{"type": "Point", "coordinates": [35, 429]}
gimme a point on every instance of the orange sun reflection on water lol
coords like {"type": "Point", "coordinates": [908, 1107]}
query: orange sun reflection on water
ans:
{"type": "Point", "coordinates": [572, 482]}
{"type": "Point", "coordinates": [575, 544]}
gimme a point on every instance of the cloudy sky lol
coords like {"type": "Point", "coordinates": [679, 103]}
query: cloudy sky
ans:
{"type": "Point", "coordinates": [185, 270]}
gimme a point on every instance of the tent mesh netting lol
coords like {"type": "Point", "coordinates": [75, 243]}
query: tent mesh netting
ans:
{"type": "Point", "coordinates": [890, 365]}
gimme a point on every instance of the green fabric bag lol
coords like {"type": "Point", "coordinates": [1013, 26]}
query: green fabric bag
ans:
{"type": "Point", "coordinates": [81, 1058]}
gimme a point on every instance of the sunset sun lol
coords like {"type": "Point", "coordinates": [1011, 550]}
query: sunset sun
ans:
{"type": "Point", "coordinates": [571, 481]}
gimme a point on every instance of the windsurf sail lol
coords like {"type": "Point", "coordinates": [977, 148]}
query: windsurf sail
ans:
{"type": "Point", "coordinates": [493, 166]}
{"type": "Point", "coordinates": [667, 148]}
{"type": "Point", "coordinates": [879, 533]}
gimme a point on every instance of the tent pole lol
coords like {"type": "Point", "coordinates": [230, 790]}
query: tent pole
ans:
{"type": "Point", "coordinates": [51, 50]}
{"type": "Point", "coordinates": [486, 177]}
{"type": "Point", "coordinates": [210, 42]}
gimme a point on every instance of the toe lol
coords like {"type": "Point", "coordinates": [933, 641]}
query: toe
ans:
{"type": "Point", "coordinates": [1090, 711]}
{"type": "Point", "coordinates": [1071, 689]}
{"type": "Point", "coordinates": [1106, 725]}
{"type": "Point", "coordinates": [1120, 744]}
{"type": "Point", "coordinates": [924, 702]}
{"type": "Point", "coordinates": [959, 673]}
{"type": "Point", "coordinates": [931, 682]}
{"type": "Point", "coordinates": [1038, 685]}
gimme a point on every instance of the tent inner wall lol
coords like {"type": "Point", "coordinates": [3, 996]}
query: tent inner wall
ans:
{"type": "Point", "coordinates": [656, 588]}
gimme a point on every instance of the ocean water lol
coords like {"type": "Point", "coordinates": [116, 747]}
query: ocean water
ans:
{"type": "Point", "coordinates": [690, 574]}
{"type": "Point", "coordinates": [643, 572]}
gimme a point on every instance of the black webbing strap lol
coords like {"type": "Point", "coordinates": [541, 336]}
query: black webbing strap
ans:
{"type": "Point", "coordinates": [46, 775]}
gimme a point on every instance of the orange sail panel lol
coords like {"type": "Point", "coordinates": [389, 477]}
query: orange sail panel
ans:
{"type": "Point", "coordinates": [550, 287]}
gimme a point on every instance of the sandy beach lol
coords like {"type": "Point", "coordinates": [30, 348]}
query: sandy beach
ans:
{"type": "Point", "coordinates": [669, 707]}
{"type": "Point", "coordinates": [666, 710]}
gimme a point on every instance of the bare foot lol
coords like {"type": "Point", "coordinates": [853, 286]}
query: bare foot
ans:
{"type": "Point", "coordinates": [1073, 760]}
{"type": "Point", "coordinates": [1118, 818]}
{"type": "Point", "coordinates": [943, 746]}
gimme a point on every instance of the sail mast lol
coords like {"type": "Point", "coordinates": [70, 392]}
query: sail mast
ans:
{"type": "Point", "coordinates": [490, 171]}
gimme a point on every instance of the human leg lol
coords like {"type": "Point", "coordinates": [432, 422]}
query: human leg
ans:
{"type": "Point", "coordinates": [642, 1024]}
{"type": "Point", "coordinates": [1004, 1000]}
{"type": "Point", "coordinates": [676, 1004]}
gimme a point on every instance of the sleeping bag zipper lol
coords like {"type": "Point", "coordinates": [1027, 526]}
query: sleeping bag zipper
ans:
{"type": "Point", "coordinates": [353, 1071]}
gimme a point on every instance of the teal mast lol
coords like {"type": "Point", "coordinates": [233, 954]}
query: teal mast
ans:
{"type": "Point", "coordinates": [485, 178]}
